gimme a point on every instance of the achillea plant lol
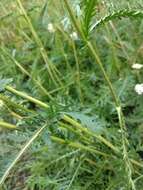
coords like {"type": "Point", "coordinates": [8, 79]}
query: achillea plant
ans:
{"type": "Point", "coordinates": [70, 116]}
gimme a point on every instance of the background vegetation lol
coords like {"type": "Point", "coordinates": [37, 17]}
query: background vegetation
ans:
{"type": "Point", "coordinates": [69, 115]}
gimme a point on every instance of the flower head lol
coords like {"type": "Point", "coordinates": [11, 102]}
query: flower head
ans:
{"type": "Point", "coordinates": [74, 36]}
{"type": "Point", "coordinates": [139, 89]}
{"type": "Point", "coordinates": [137, 66]}
{"type": "Point", "coordinates": [51, 28]}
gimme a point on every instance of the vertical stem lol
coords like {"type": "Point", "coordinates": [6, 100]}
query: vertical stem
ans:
{"type": "Point", "coordinates": [52, 70]}
{"type": "Point", "coordinates": [114, 96]}
{"type": "Point", "coordinates": [78, 73]}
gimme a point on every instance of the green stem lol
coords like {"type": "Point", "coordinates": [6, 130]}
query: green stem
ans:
{"type": "Point", "coordinates": [26, 146]}
{"type": "Point", "coordinates": [90, 133]}
{"type": "Point", "coordinates": [10, 103]}
{"type": "Point", "coordinates": [114, 96]}
{"type": "Point", "coordinates": [7, 125]}
{"type": "Point", "coordinates": [23, 70]}
{"type": "Point", "coordinates": [66, 118]}
{"type": "Point", "coordinates": [50, 67]}
{"type": "Point", "coordinates": [78, 146]}
{"type": "Point", "coordinates": [77, 132]}
{"type": "Point", "coordinates": [23, 95]}
{"type": "Point", "coordinates": [92, 51]}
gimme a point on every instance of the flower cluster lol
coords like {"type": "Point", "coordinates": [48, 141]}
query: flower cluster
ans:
{"type": "Point", "coordinates": [51, 28]}
{"type": "Point", "coordinates": [139, 89]}
{"type": "Point", "coordinates": [74, 36]}
{"type": "Point", "coordinates": [137, 66]}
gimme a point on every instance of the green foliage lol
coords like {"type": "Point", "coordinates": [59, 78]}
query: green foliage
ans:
{"type": "Point", "coordinates": [118, 14]}
{"type": "Point", "coordinates": [89, 13]}
{"type": "Point", "coordinates": [66, 77]}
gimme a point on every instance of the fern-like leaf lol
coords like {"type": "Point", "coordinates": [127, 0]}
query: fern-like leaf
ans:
{"type": "Point", "coordinates": [118, 14]}
{"type": "Point", "coordinates": [89, 12]}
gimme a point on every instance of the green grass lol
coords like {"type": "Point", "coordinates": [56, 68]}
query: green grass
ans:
{"type": "Point", "coordinates": [70, 118]}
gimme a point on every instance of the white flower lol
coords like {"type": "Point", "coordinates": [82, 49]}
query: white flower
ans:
{"type": "Point", "coordinates": [51, 28]}
{"type": "Point", "coordinates": [137, 66]}
{"type": "Point", "coordinates": [1, 103]}
{"type": "Point", "coordinates": [74, 36]}
{"type": "Point", "coordinates": [139, 89]}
